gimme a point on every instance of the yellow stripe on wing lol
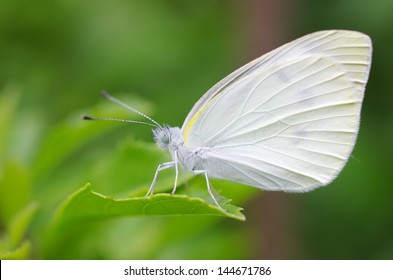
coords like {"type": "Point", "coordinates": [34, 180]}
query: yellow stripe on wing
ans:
{"type": "Point", "coordinates": [194, 118]}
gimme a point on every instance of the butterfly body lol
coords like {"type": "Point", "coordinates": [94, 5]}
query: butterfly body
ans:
{"type": "Point", "coordinates": [171, 139]}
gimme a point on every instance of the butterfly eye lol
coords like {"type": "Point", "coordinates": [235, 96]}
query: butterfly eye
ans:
{"type": "Point", "coordinates": [165, 137]}
{"type": "Point", "coordinates": [162, 137]}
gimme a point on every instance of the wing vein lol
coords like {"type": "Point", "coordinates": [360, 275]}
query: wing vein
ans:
{"type": "Point", "coordinates": [278, 166]}
{"type": "Point", "coordinates": [312, 140]}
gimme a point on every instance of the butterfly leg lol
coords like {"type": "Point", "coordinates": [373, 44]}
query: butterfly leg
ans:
{"type": "Point", "coordinates": [208, 187]}
{"type": "Point", "coordinates": [177, 173]}
{"type": "Point", "coordinates": [161, 166]}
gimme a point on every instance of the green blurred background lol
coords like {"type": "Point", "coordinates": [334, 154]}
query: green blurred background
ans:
{"type": "Point", "coordinates": [161, 56]}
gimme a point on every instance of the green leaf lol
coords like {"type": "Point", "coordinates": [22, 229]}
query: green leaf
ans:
{"type": "Point", "coordinates": [85, 204]}
{"type": "Point", "coordinates": [12, 245]}
{"type": "Point", "coordinates": [20, 222]}
{"type": "Point", "coordinates": [87, 207]}
{"type": "Point", "coordinates": [15, 189]}
{"type": "Point", "coordinates": [20, 253]}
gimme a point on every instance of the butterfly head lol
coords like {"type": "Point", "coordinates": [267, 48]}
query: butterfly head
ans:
{"type": "Point", "coordinates": [167, 138]}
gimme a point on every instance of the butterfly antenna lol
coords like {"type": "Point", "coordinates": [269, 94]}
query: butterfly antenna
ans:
{"type": "Point", "coordinates": [88, 118]}
{"type": "Point", "coordinates": [117, 101]}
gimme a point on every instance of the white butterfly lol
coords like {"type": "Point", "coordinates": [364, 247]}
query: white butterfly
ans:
{"type": "Point", "coordinates": [286, 121]}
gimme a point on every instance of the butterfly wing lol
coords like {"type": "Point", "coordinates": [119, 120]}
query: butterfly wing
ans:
{"type": "Point", "coordinates": [287, 120]}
